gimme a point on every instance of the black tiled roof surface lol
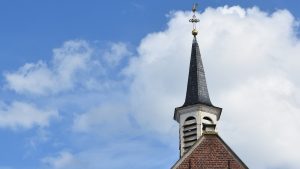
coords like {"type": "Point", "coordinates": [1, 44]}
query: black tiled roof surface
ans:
{"type": "Point", "coordinates": [197, 88]}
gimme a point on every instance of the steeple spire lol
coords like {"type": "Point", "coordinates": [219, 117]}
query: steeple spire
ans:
{"type": "Point", "coordinates": [197, 115]}
{"type": "Point", "coordinates": [196, 88]}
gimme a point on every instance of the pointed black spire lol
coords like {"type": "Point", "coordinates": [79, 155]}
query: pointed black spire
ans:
{"type": "Point", "coordinates": [197, 88]}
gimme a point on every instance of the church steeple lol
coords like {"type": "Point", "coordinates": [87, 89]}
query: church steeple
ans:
{"type": "Point", "coordinates": [197, 115]}
{"type": "Point", "coordinates": [196, 89]}
{"type": "Point", "coordinates": [200, 145]}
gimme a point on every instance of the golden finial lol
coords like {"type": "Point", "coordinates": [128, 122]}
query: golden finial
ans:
{"type": "Point", "coordinates": [194, 20]}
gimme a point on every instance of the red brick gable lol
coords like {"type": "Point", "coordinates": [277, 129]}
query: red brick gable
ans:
{"type": "Point", "coordinates": [210, 152]}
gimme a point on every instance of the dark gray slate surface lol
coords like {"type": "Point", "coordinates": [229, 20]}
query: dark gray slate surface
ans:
{"type": "Point", "coordinates": [197, 88]}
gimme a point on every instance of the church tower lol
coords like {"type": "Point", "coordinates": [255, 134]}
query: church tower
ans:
{"type": "Point", "coordinates": [197, 113]}
{"type": "Point", "coordinates": [200, 145]}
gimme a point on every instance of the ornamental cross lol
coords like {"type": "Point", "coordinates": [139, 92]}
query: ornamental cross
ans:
{"type": "Point", "coordinates": [194, 20]}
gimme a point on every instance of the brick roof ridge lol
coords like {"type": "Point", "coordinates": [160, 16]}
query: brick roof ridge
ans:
{"type": "Point", "coordinates": [215, 134]}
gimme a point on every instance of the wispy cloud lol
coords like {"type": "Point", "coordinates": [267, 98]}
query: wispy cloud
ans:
{"type": "Point", "coordinates": [116, 53]}
{"type": "Point", "coordinates": [63, 160]}
{"type": "Point", "coordinates": [42, 79]}
{"type": "Point", "coordinates": [20, 115]}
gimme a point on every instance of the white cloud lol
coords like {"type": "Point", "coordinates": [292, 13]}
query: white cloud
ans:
{"type": "Point", "coordinates": [63, 160]}
{"type": "Point", "coordinates": [42, 79]}
{"type": "Point", "coordinates": [116, 53]}
{"type": "Point", "coordinates": [24, 115]}
{"type": "Point", "coordinates": [263, 121]}
{"type": "Point", "coordinates": [74, 65]}
{"type": "Point", "coordinates": [106, 118]}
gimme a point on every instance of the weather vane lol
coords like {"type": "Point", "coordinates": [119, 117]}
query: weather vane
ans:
{"type": "Point", "coordinates": [194, 20]}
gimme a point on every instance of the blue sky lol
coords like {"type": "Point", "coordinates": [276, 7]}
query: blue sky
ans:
{"type": "Point", "coordinates": [93, 84]}
{"type": "Point", "coordinates": [33, 23]}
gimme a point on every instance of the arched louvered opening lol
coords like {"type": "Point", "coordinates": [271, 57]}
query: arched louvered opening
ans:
{"type": "Point", "coordinates": [189, 133]}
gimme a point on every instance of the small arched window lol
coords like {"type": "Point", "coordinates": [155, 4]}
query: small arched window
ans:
{"type": "Point", "coordinates": [207, 120]}
{"type": "Point", "coordinates": [189, 133]}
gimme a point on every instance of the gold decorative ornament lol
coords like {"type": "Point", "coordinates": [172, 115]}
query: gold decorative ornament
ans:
{"type": "Point", "coordinates": [194, 20]}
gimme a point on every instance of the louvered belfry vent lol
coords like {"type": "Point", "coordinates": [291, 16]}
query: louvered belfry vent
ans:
{"type": "Point", "coordinates": [189, 133]}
